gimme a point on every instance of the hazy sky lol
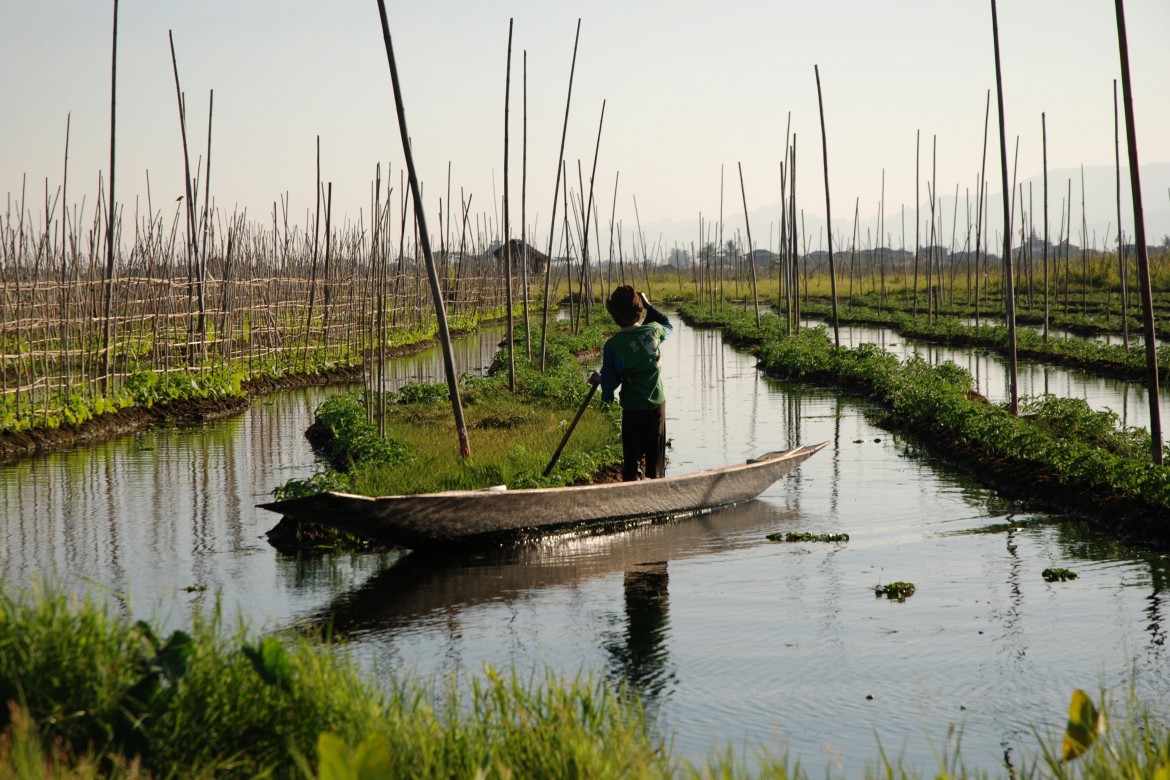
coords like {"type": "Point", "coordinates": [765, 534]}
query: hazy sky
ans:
{"type": "Point", "coordinates": [690, 87]}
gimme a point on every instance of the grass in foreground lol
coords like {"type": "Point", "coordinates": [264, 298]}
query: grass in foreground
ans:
{"type": "Point", "coordinates": [86, 693]}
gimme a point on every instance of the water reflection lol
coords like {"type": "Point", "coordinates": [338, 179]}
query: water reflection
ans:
{"type": "Point", "coordinates": [639, 656]}
{"type": "Point", "coordinates": [149, 515]}
{"type": "Point", "coordinates": [733, 639]}
{"type": "Point", "coordinates": [421, 588]}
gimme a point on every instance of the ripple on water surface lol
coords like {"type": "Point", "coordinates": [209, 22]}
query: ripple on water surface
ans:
{"type": "Point", "coordinates": [729, 637]}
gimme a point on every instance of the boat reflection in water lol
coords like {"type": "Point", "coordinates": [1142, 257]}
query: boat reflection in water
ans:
{"type": "Point", "coordinates": [431, 593]}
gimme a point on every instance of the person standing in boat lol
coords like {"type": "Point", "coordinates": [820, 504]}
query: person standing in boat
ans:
{"type": "Point", "coordinates": [630, 359]}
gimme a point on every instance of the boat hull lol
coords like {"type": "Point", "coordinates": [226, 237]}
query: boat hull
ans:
{"type": "Point", "coordinates": [482, 517]}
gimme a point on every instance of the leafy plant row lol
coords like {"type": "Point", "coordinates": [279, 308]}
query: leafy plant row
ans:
{"type": "Point", "coordinates": [1054, 438]}
{"type": "Point", "coordinates": [73, 405]}
{"type": "Point", "coordinates": [1089, 356]}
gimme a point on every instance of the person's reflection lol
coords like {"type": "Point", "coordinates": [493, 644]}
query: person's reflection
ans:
{"type": "Point", "coordinates": [640, 661]}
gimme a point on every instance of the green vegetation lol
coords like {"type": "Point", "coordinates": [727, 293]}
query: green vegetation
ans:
{"type": "Point", "coordinates": [70, 402]}
{"type": "Point", "coordinates": [1063, 443]}
{"type": "Point", "coordinates": [87, 693]}
{"type": "Point", "coordinates": [91, 690]}
{"type": "Point", "coordinates": [1058, 575]}
{"type": "Point", "coordinates": [1091, 356]}
{"type": "Point", "coordinates": [807, 537]}
{"type": "Point", "coordinates": [513, 436]}
{"type": "Point", "coordinates": [895, 591]}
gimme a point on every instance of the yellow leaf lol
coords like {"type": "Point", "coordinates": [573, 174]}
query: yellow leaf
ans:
{"type": "Point", "coordinates": [337, 761]}
{"type": "Point", "coordinates": [372, 758]}
{"type": "Point", "coordinates": [1084, 724]}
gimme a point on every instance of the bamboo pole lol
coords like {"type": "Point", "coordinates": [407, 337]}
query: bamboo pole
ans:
{"type": "Point", "coordinates": [932, 192]}
{"type": "Point", "coordinates": [882, 242]}
{"type": "Point", "coordinates": [553, 221]}
{"type": "Point", "coordinates": [1009, 280]}
{"type": "Point", "coordinates": [828, 215]}
{"type": "Point", "coordinates": [313, 267]}
{"type": "Point", "coordinates": [717, 278]}
{"type": "Point", "coordinates": [1084, 250]}
{"type": "Point", "coordinates": [510, 338]}
{"type": "Point", "coordinates": [917, 218]}
{"type": "Point", "coordinates": [424, 238]}
{"type": "Point", "coordinates": [523, 211]}
{"type": "Point", "coordinates": [325, 269]}
{"type": "Point", "coordinates": [794, 282]}
{"type": "Point", "coordinates": [588, 210]}
{"type": "Point", "coordinates": [1139, 233]}
{"type": "Point", "coordinates": [111, 211]}
{"type": "Point", "coordinates": [751, 247]}
{"type": "Point", "coordinates": [1121, 265]}
{"type": "Point", "coordinates": [1044, 148]}
{"type": "Point", "coordinates": [202, 270]}
{"type": "Point", "coordinates": [66, 378]}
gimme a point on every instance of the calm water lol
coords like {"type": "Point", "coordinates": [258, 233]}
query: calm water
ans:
{"type": "Point", "coordinates": [728, 637]}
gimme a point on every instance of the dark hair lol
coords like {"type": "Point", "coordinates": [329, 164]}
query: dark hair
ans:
{"type": "Point", "coordinates": [625, 306]}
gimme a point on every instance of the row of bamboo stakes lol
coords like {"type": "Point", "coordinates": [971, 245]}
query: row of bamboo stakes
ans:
{"type": "Point", "coordinates": [280, 302]}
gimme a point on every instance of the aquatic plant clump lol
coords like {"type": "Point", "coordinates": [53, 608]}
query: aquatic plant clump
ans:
{"type": "Point", "coordinates": [791, 536]}
{"type": "Point", "coordinates": [895, 591]}
{"type": "Point", "coordinates": [1058, 575]}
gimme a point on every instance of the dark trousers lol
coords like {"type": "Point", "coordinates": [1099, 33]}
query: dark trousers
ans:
{"type": "Point", "coordinates": [644, 437]}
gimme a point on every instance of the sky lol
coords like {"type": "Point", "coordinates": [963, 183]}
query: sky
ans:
{"type": "Point", "coordinates": [691, 92]}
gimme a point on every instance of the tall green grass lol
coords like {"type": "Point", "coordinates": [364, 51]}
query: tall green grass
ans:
{"type": "Point", "coordinates": [87, 693]}
{"type": "Point", "coordinates": [93, 692]}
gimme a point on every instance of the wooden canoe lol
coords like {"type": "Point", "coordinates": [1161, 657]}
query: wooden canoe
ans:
{"type": "Point", "coordinates": [484, 517]}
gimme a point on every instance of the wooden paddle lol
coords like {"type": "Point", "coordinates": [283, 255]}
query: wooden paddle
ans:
{"type": "Point", "coordinates": [594, 381]}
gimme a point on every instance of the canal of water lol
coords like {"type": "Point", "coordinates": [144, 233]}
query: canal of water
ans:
{"type": "Point", "coordinates": [729, 638]}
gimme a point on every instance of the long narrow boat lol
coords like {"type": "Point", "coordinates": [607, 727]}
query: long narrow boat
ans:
{"type": "Point", "coordinates": [484, 517]}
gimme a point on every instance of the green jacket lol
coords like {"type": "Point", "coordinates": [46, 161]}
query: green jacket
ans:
{"type": "Point", "coordinates": [630, 359]}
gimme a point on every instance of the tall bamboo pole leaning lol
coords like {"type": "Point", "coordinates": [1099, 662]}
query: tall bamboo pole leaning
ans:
{"type": "Point", "coordinates": [111, 215]}
{"type": "Point", "coordinates": [1139, 235]}
{"type": "Point", "coordinates": [1121, 269]}
{"type": "Point", "coordinates": [1009, 273]}
{"type": "Point", "coordinates": [507, 224]}
{"type": "Point", "coordinates": [189, 203]}
{"type": "Point", "coordinates": [425, 241]}
{"type": "Point", "coordinates": [828, 214]}
{"type": "Point", "coordinates": [751, 247]}
{"type": "Point", "coordinates": [588, 210]}
{"type": "Point", "coordinates": [553, 221]}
